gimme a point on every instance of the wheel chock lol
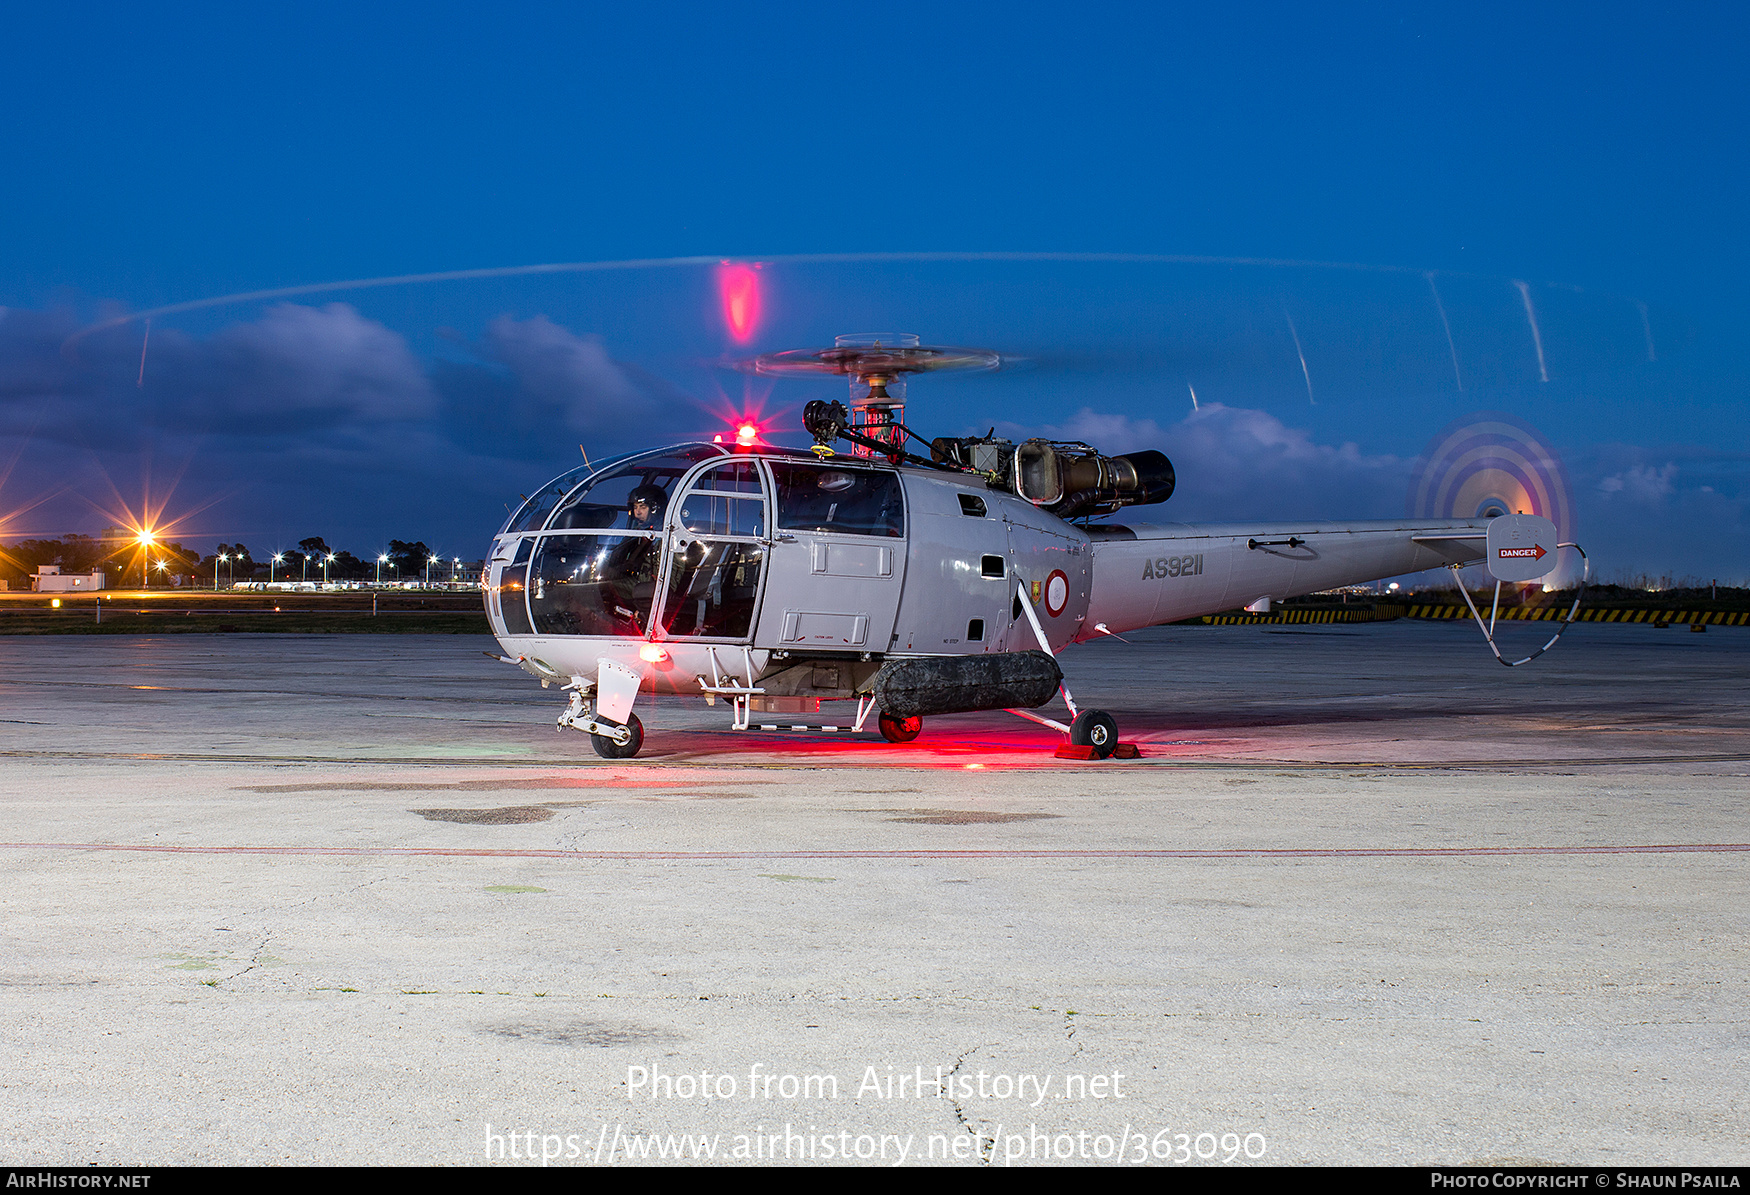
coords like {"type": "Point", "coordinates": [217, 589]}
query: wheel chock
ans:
{"type": "Point", "coordinates": [1078, 751]}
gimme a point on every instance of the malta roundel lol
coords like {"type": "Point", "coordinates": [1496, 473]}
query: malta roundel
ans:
{"type": "Point", "coordinates": [1056, 593]}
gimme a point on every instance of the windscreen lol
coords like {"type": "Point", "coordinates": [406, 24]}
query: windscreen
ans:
{"type": "Point", "coordinates": [534, 511]}
{"type": "Point", "coordinates": [608, 500]}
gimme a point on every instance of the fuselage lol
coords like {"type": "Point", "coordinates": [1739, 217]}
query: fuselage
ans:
{"type": "Point", "coordinates": [774, 568]}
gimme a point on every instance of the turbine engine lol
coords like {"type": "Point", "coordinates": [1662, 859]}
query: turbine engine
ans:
{"type": "Point", "coordinates": [1067, 478]}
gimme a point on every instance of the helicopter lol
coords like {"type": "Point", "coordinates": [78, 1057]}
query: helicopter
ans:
{"type": "Point", "coordinates": [916, 578]}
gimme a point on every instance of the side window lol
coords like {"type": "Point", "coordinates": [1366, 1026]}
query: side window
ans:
{"type": "Point", "coordinates": [737, 477]}
{"type": "Point", "coordinates": [832, 498]}
{"type": "Point", "coordinates": [512, 584]}
{"type": "Point", "coordinates": [727, 500]}
{"type": "Point", "coordinates": [712, 587]}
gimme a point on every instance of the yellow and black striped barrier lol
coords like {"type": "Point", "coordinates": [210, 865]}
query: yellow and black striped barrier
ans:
{"type": "Point", "coordinates": [1718, 618]}
{"type": "Point", "coordinates": [1359, 614]}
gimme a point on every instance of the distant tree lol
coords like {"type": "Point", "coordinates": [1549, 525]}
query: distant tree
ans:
{"type": "Point", "coordinates": [81, 554]}
{"type": "Point", "coordinates": [181, 559]}
{"type": "Point", "coordinates": [28, 554]}
{"type": "Point", "coordinates": [409, 558]}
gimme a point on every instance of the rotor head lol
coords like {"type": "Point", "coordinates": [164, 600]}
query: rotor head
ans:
{"type": "Point", "coordinates": [881, 356]}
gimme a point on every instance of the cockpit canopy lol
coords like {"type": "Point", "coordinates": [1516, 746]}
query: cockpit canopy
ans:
{"type": "Point", "coordinates": [812, 495]}
{"type": "Point", "coordinates": [627, 550]}
{"type": "Point", "coordinates": [599, 496]}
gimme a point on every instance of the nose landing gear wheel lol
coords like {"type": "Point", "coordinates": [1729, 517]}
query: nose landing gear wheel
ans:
{"type": "Point", "coordinates": [900, 730]}
{"type": "Point", "coordinates": [1096, 729]}
{"type": "Point", "coordinates": [608, 749]}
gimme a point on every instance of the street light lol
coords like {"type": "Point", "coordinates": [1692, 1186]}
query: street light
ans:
{"type": "Point", "coordinates": [277, 559]}
{"type": "Point", "coordinates": [145, 539]}
{"type": "Point", "coordinates": [326, 561]}
{"type": "Point", "coordinates": [428, 565]}
{"type": "Point", "coordinates": [381, 561]}
{"type": "Point", "coordinates": [454, 565]}
{"type": "Point", "coordinates": [217, 561]}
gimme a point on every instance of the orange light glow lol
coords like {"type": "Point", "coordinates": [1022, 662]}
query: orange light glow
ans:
{"type": "Point", "coordinates": [739, 288]}
{"type": "Point", "coordinates": [652, 653]}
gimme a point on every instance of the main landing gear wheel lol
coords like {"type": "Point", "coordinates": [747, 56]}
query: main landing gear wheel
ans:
{"type": "Point", "coordinates": [608, 749]}
{"type": "Point", "coordinates": [900, 730]}
{"type": "Point", "coordinates": [1096, 729]}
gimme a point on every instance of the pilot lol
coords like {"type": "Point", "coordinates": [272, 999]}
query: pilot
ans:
{"type": "Point", "coordinates": [631, 573]}
{"type": "Point", "coordinates": [644, 506]}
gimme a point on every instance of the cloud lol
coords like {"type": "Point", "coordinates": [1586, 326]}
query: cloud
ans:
{"type": "Point", "coordinates": [571, 374]}
{"type": "Point", "coordinates": [1641, 483]}
{"type": "Point", "coordinates": [1235, 463]}
{"type": "Point", "coordinates": [300, 370]}
{"type": "Point", "coordinates": [535, 386]}
{"type": "Point", "coordinates": [295, 373]}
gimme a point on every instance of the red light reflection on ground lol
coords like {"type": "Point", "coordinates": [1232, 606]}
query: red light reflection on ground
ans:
{"type": "Point", "coordinates": [987, 748]}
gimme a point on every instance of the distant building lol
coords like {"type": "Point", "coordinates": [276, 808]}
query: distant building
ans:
{"type": "Point", "coordinates": [49, 578]}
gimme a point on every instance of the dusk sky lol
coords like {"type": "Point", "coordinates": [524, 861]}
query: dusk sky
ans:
{"type": "Point", "coordinates": [1537, 210]}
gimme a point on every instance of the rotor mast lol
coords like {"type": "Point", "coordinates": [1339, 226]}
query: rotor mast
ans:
{"type": "Point", "coordinates": [876, 365]}
{"type": "Point", "coordinates": [878, 398]}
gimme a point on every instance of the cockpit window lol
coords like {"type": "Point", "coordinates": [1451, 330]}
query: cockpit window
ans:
{"type": "Point", "coordinates": [830, 497]}
{"type": "Point", "coordinates": [594, 584]}
{"type": "Point", "coordinates": [534, 511]}
{"type": "Point", "coordinates": [632, 496]}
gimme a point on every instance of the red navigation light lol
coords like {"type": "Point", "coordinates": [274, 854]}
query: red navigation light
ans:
{"type": "Point", "coordinates": [739, 288]}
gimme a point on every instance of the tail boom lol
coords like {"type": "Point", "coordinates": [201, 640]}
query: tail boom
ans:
{"type": "Point", "coordinates": [1147, 575]}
